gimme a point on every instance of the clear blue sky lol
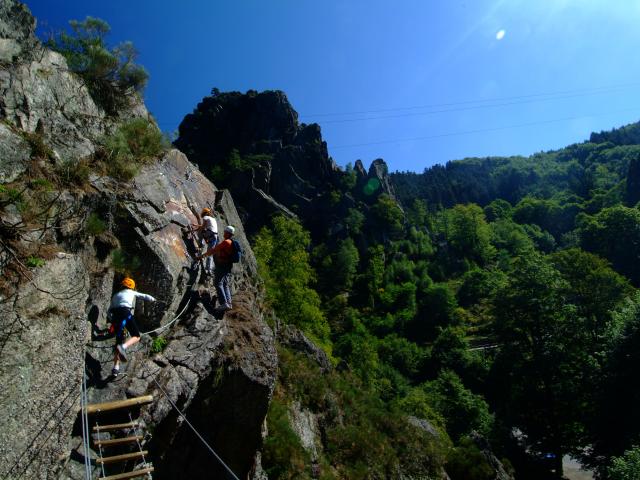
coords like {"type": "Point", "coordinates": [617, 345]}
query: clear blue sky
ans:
{"type": "Point", "coordinates": [389, 57]}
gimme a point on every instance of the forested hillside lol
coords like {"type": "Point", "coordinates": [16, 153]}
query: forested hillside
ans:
{"type": "Point", "coordinates": [496, 301]}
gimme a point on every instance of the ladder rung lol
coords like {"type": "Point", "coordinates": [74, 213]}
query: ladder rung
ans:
{"type": "Point", "coordinates": [122, 458]}
{"type": "Point", "coordinates": [115, 426]}
{"type": "Point", "coordinates": [129, 402]}
{"type": "Point", "coordinates": [135, 473]}
{"type": "Point", "coordinates": [117, 441]}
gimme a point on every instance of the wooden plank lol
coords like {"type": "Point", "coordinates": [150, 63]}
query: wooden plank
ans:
{"type": "Point", "coordinates": [117, 441]}
{"type": "Point", "coordinates": [122, 458]}
{"type": "Point", "coordinates": [123, 476]}
{"type": "Point", "coordinates": [129, 402]}
{"type": "Point", "coordinates": [115, 426]}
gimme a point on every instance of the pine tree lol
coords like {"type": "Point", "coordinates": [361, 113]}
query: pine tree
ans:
{"type": "Point", "coordinates": [633, 183]}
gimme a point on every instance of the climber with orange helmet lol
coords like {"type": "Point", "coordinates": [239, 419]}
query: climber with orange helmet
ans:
{"type": "Point", "coordinates": [209, 232]}
{"type": "Point", "coordinates": [121, 315]}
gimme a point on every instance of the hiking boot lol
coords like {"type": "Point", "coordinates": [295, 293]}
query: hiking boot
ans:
{"type": "Point", "coordinates": [122, 352]}
{"type": "Point", "coordinates": [115, 371]}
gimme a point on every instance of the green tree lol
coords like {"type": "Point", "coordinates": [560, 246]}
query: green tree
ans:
{"type": "Point", "coordinates": [498, 209]}
{"type": "Point", "coordinates": [417, 214]}
{"type": "Point", "coordinates": [467, 462]}
{"type": "Point", "coordinates": [387, 216]}
{"type": "Point", "coordinates": [110, 74]}
{"type": "Point", "coordinates": [345, 264]}
{"type": "Point", "coordinates": [469, 234]}
{"type": "Point", "coordinates": [508, 235]}
{"type": "Point", "coordinates": [284, 265]}
{"type": "Point", "coordinates": [436, 309]}
{"type": "Point", "coordinates": [462, 410]}
{"type": "Point", "coordinates": [593, 287]}
{"type": "Point", "coordinates": [616, 420]}
{"type": "Point", "coordinates": [354, 221]}
{"type": "Point", "coordinates": [633, 183]}
{"type": "Point", "coordinates": [626, 467]}
{"type": "Point", "coordinates": [543, 361]}
{"type": "Point", "coordinates": [401, 354]}
{"type": "Point", "coordinates": [450, 351]}
{"type": "Point", "coordinates": [614, 233]}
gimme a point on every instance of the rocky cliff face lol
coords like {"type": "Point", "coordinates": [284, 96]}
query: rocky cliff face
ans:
{"type": "Point", "coordinates": [59, 271]}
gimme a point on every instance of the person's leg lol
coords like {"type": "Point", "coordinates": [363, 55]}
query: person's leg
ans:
{"type": "Point", "coordinates": [118, 315]}
{"type": "Point", "coordinates": [134, 337]}
{"type": "Point", "coordinates": [208, 265]}
{"type": "Point", "coordinates": [131, 341]}
{"type": "Point", "coordinates": [222, 276]}
{"type": "Point", "coordinates": [227, 289]}
{"type": "Point", "coordinates": [116, 363]}
{"type": "Point", "coordinates": [218, 277]}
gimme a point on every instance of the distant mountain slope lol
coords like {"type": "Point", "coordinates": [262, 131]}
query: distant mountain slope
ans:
{"type": "Point", "coordinates": [581, 169]}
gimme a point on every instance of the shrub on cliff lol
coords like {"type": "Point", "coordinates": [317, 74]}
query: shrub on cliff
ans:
{"type": "Point", "coordinates": [109, 73]}
{"type": "Point", "coordinates": [135, 142]}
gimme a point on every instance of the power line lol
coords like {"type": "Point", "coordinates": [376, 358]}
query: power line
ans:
{"type": "Point", "coordinates": [483, 130]}
{"type": "Point", "coordinates": [468, 102]}
{"type": "Point", "coordinates": [466, 105]}
{"type": "Point", "coordinates": [461, 109]}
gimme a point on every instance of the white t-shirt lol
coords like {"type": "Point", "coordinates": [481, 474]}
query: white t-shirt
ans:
{"type": "Point", "coordinates": [209, 223]}
{"type": "Point", "coordinates": [127, 297]}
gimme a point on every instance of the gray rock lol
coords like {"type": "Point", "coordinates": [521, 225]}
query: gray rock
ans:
{"type": "Point", "coordinates": [379, 171]}
{"type": "Point", "coordinates": [15, 154]}
{"type": "Point", "coordinates": [484, 446]}
{"type": "Point", "coordinates": [293, 338]}
{"type": "Point", "coordinates": [41, 367]}
{"type": "Point", "coordinates": [425, 425]}
{"type": "Point", "coordinates": [17, 30]}
{"type": "Point", "coordinates": [305, 424]}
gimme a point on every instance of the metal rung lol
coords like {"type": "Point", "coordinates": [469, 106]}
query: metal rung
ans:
{"type": "Point", "coordinates": [117, 441]}
{"type": "Point", "coordinates": [135, 473]}
{"type": "Point", "coordinates": [122, 458]}
{"type": "Point", "coordinates": [115, 426]}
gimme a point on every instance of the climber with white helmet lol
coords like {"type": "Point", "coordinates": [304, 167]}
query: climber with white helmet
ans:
{"type": "Point", "coordinates": [121, 318]}
{"type": "Point", "coordinates": [224, 254]}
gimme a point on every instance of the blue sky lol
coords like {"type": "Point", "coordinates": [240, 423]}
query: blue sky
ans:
{"type": "Point", "coordinates": [436, 81]}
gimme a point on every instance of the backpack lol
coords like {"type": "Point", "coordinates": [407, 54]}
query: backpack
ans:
{"type": "Point", "coordinates": [237, 251]}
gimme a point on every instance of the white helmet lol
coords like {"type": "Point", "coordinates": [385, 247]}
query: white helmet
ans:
{"type": "Point", "coordinates": [230, 229]}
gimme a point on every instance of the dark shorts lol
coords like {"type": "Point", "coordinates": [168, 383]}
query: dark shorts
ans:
{"type": "Point", "coordinates": [120, 314]}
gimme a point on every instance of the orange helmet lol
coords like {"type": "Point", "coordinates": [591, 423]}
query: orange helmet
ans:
{"type": "Point", "coordinates": [128, 283]}
{"type": "Point", "coordinates": [206, 211]}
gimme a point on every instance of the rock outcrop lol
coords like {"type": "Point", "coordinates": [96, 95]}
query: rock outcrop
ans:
{"type": "Point", "coordinates": [272, 163]}
{"type": "Point", "coordinates": [219, 369]}
{"type": "Point", "coordinates": [377, 181]}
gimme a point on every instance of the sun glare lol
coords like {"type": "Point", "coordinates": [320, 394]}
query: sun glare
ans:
{"type": "Point", "coordinates": [500, 34]}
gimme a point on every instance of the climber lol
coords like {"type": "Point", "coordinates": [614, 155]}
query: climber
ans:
{"type": "Point", "coordinates": [209, 231]}
{"type": "Point", "coordinates": [121, 315]}
{"type": "Point", "coordinates": [224, 254]}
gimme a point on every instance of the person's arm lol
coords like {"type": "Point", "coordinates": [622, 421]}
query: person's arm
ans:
{"type": "Point", "coordinates": [210, 251]}
{"type": "Point", "coordinates": [144, 296]}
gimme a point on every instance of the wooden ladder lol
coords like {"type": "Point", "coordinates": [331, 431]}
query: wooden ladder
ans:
{"type": "Point", "coordinates": [126, 429]}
